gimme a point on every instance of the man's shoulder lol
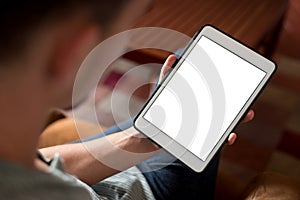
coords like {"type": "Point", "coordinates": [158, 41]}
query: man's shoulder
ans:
{"type": "Point", "coordinates": [18, 182]}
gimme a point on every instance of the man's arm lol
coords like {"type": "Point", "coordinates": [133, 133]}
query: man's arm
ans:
{"type": "Point", "coordinates": [96, 160]}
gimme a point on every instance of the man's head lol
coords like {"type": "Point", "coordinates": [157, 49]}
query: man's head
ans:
{"type": "Point", "coordinates": [42, 43]}
{"type": "Point", "coordinates": [21, 19]}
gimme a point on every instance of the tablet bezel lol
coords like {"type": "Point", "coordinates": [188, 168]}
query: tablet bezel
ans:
{"type": "Point", "coordinates": [168, 143]}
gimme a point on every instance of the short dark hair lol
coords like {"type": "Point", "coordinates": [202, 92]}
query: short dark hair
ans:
{"type": "Point", "coordinates": [19, 19]}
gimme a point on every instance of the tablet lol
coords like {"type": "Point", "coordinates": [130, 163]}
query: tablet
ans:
{"type": "Point", "coordinates": [211, 87]}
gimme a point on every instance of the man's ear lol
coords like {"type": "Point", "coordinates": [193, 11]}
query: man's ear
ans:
{"type": "Point", "coordinates": [70, 50]}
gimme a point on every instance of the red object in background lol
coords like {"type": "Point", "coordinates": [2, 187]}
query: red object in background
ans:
{"type": "Point", "coordinates": [112, 79]}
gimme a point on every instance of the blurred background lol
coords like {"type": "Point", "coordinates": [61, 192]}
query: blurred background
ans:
{"type": "Point", "coordinates": [271, 142]}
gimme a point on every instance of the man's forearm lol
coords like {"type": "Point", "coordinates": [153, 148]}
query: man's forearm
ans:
{"type": "Point", "coordinates": [98, 159]}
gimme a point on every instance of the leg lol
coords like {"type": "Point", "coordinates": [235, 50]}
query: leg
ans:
{"type": "Point", "coordinates": [177, 181]}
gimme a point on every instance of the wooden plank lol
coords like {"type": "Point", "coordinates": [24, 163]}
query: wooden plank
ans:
{"type": "Point", "coordinates": [250, 21]}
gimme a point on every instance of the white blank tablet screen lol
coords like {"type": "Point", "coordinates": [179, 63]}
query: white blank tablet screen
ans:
{"type": "Point", "coordinates": [204, 96]}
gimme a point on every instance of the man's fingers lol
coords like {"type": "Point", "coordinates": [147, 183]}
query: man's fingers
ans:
{"type": "Point", "coordinates": [231, 139]}
{"type": "Point", "coordinates": [249, 116]}
{"type": "Point", "coordinates": [167, 65]}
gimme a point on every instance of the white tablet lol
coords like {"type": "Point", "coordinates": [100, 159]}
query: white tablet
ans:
{"type": "Point", "coordinates": [196, 107]}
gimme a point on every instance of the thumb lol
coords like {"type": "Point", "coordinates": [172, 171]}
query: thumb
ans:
{"type": "Point", "coordinates": [167, 65]}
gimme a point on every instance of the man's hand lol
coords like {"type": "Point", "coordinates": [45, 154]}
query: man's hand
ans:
{"type": "Point", "coordinates": [233, 136]}
{"type": "Point", "coordinates": [169, 63]}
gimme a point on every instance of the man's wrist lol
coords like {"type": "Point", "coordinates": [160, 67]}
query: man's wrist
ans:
{"type": "Point", "coordinates": [135, 142]}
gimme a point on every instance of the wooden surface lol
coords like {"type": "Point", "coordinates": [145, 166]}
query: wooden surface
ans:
{"type": "Point", "coordinates": [254, 22]}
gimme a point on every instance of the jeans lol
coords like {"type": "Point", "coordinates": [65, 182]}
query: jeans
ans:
{"type": "Point", "coordinates": [176, 180]}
